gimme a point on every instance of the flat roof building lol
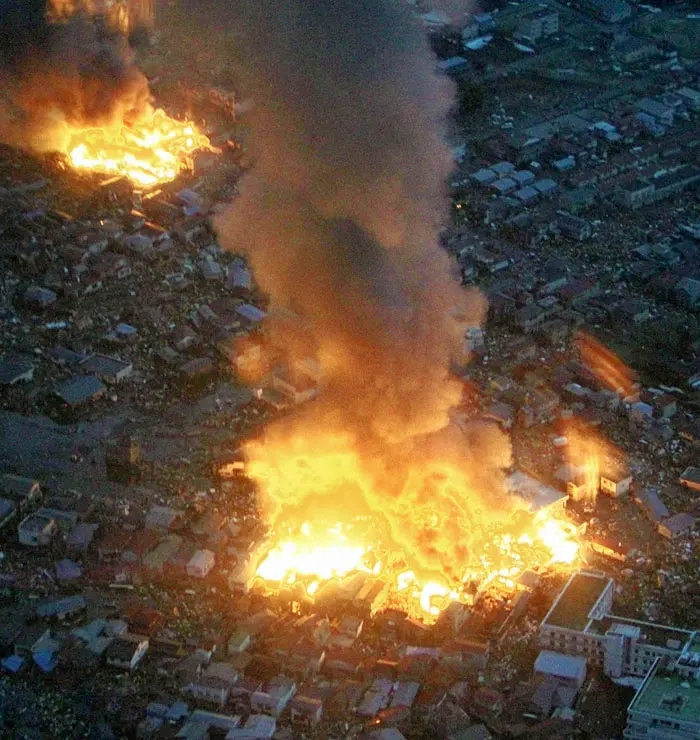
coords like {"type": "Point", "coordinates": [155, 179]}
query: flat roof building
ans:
{"type": "Point", "coordinates": [665, 707]}
{"type": "Point", "coordinates": [581, 623]}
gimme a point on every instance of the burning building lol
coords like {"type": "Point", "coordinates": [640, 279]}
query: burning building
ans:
{"type": "Point", "coordinates": [71, 84]}
{"type": "Point", "coordinates": [347, 197]}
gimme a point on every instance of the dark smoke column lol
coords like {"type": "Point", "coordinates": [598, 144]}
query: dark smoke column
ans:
{"type": "Point", "coordinates": [340, 217]}
{"type": "Point", "coordinates": [341, 212]}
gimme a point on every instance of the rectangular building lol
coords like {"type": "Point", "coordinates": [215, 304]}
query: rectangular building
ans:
{"type": "Point", "coordinates": [581, 622]}
{"type": "Point", "coordinates": [665, 707]}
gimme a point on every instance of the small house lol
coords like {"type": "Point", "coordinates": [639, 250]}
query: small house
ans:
{"type": "Point", "coordinates": [201, 564]}
{"type": "Point", "coordinates": [676, 526]}
{"type": "Point", "coordinates": [615, 484]}
{"type": "Point", "coordinates": [24, 492]}
{"type": "Point", "coordinates": [80, 389]}
{"type": "Point", "coordinates": [274, 696]}
{"type": "Point", "coordinates": [37, 530]}
{"type": "Point", "coordinates": [306, 712]}
{"type": "Point", "coordinates": [126, 652]}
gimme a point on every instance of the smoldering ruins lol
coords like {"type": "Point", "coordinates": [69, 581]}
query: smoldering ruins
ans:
{"type": "Point", "coordinates": [340, 218]}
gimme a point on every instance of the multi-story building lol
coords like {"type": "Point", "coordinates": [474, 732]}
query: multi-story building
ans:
{"type": "Point", "coordinates": [581, 622]}
{"type": "Point", "coordinates": [666, 705]}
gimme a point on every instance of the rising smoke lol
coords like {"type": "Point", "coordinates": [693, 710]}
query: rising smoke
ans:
{"type": "Point", "coordinates": [62, 66]}
{"type": "Point", "coordinates": [340, 218]}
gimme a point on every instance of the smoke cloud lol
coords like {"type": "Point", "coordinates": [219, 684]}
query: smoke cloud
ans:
{"type": "Point", "coordinates": [60, 67]}
{"type": "Point", "coordinates": [340, 218]}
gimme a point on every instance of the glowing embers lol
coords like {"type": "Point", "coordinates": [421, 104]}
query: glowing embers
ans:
{"type": "Point", "coordinates": [152, 151]}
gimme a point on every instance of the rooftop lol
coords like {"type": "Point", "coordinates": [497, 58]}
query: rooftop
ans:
{"type": "Point", "coordinates": [666, 694]}
{"type": "Point", "coordinates": [651, 634]}
{"type": "Point", "coordinates": [79, 389]}
{"type": "Point", "coordinates": [35, 523]}
{"type": "Point", "coordinates": [538, 495]}
{"type": "Point", "coordinates": [575, 602]}
{"type": "Point", "coordinates": [560, 665]}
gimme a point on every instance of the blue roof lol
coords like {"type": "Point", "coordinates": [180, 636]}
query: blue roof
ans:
{"type": "Point", "coordinates": [240, 276]}
{"type": "Point", "coordinates": [560, 665]}
{"type": "Point", "coordinates": [155, 709]}
{"type": "Point", "coordinates": [177, 711]}
{"type": "Point", "coordinates": [12, 663]}
{"type": "Point", "coordinates": [67, 570]}
{"type": "Point", "coordinates": [251, 313]}
{"type": "Point", "coordinates": [45, 660]}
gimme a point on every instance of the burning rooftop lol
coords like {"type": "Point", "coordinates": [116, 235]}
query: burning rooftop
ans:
{"type": "Point", "coordinates": [312, 556]}
{"type": "Point", "coordinates": [71, 85]}
{"type": "Point", "coordinates": [149, 152]}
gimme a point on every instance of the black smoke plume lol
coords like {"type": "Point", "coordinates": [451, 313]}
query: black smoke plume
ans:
{"type": "Point", "coordinates": [340, 218]}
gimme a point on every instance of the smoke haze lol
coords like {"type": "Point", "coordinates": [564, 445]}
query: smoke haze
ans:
{"type": "Point", "coordinates": [59, 67]}
{"type": "Point", "coordinates": [340, 219]}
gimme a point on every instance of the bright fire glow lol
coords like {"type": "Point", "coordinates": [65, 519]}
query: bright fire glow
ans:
{"type": "Point", "coordinates": [323, 558]}
{"type": "Point", "coordinates": [151, 151]}
{"type": "Point", "coordinates": [314, 557]}
{"type": "Point", "coordinates": [558, 540]}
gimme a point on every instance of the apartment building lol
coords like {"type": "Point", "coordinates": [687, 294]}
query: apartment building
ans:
{"type": "Point", "coordinates": [581, 622]}
{"type": "Point", "coordinates": [665, 707]}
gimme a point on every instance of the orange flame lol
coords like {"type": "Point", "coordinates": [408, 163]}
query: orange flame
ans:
{"type": "Point", "coordinates": [609, 369]}
{"type": "Point", "coordinates": [317, 556]}
{"type": "Point", "coordinates": [151, 151]}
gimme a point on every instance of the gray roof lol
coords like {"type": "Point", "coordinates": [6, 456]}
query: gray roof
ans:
{"type": "Point", "coordinates": [80, 388]}
{"type": "Point", "coordinates": [651, 503]}
{"type": "Point", "coordinates": [560, 665]}
{"type": "Point", "coordinates": [104, 366]}
{"type": "Point", "coordinates": [678, 523]}
{"type": "Point", "coordinates": [64, 356]}
{"type": "Point", "coordinates": [61, 606]}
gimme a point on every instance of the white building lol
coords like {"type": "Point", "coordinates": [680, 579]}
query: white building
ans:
{"type": "Point", "coordinates": [615, 485]}
{"type": "Point", "coordinates": [273, 697]}
{"type": "Point", "coordinates": [665, 707]}
{"type": "Point", "coordinates": [581, 623]}
{"type": "Point", "coordinates": [201, 564]}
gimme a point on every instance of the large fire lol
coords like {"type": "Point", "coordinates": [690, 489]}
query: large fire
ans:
{"type": "Point", "coordinates": [311, 556]}
{"type": "Point", "coordinates": [151, 151]}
